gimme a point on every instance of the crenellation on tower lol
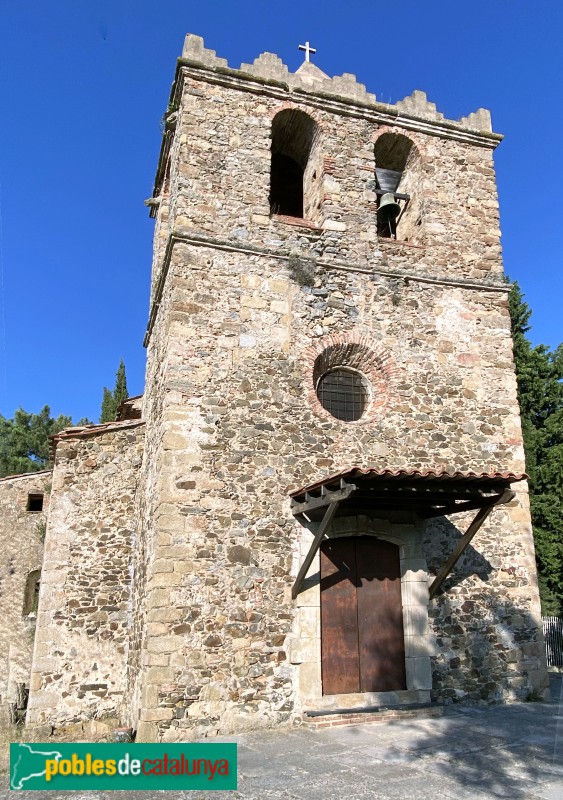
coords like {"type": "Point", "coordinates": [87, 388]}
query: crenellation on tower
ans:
{"type": "Point", "coordinates": [347, 85]}
{"type": "Point", "coordinates": [268, 66]}
{"type": "Point", "coordinates": [418, 105]}
{"type": "Point", "coordinates": [479, 120]}
{"type": "Point", "coordinates": [195, 50]}
{"type": "Point", "coordinates": [309, 77]}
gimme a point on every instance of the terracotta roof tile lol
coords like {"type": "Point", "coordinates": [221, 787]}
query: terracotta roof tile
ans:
{"type": "Point", "coordinates": [83, 431]}
{"type": "Point", "coordinates": [27, 475]}
{"type": "Point", "coordinates": [410, 475]}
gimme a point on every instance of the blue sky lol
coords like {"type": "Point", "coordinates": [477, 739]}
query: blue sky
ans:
{"type": "Point", "coordinates": [83, 86]}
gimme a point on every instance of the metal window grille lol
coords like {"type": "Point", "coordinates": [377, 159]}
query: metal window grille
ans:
{"type": "Point", "coordinates": [343, 393]}
{"type": "Point", "coordinates": [553, 635]}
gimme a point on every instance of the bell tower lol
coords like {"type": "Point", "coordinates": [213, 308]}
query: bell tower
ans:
{"type": "Point", "coordinates": [327, 294]}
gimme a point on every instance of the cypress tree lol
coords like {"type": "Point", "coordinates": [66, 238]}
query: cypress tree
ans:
{"type": "Point", "coordinates": [108, 407]}
{"type": "Point", "coordinates": [539, 374]}
{"type": "Point", "coordinates": [112, 400]}
{"type": "Point", "coordinates": [120, 392]}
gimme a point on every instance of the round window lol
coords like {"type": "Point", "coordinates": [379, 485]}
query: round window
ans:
{"type": "Point", "coordinates": [344, 393]}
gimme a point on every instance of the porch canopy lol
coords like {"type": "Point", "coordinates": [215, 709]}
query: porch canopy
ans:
{"type": "Point", "coordinates": [374, 492]}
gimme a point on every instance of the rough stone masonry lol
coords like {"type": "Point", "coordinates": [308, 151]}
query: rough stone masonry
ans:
{"type": "Point", "coordinates": [171, 548]}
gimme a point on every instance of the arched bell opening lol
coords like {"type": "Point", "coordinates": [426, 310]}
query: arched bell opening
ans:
{"type": "Point", "coordinates": [293, 177]}
{"type": "Point", "coordinates": [398, 178]}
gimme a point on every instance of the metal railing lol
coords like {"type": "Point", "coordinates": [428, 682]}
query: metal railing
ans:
{"type": "Point", "coordinates": [553, 635]}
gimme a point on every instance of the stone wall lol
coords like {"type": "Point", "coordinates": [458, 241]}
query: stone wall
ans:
{"type": "Point", "coordinates": [80, 653]}
{"type": "Point", "coordinates": [487, 626]}
{"type": "Point", "coordinates": [22, 532]}
{"type": "Point", "coordinates": [242, 429]}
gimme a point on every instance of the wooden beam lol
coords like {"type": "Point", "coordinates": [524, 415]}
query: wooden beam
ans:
{"type": "Point", "coordinates": [425, 496]}
{"type": "Point", "coordinates": [327, 519]}
{"type": "Point", "coordinates": [440, 510]}
{"type": "Point", "coordinates": [326, 498]}
{"type": "Point", "coordinates": [463, 543]}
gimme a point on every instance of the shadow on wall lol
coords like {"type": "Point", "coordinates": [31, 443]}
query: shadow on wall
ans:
{"type": "Point", "coordinates": [441, 539]}
{"type": "Point", "coordinates": [489, 646]}
{"type": "Point", "coordinates": [488, 651]}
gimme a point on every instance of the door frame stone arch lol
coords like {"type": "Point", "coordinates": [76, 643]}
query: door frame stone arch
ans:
{"type": "Point", "coordinates": [305, 642]}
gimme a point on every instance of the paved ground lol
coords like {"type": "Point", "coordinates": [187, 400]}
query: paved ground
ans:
{"type": "Point", "coordinates": [505, 751]}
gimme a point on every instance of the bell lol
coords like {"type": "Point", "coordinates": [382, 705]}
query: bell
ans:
{"type": "Point", "coordinates": [388, 210]}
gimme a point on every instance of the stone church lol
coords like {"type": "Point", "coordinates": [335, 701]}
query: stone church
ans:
{"type": "Point", "coordinates": [319, 507]}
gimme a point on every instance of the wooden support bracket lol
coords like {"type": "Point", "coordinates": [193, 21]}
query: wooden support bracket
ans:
{"type": "Point", "coordinates": [463, 543]}
{"type": "Point", "coordinates": [326, 498]}
{"type": "Point", "coordinates": [327, 519]}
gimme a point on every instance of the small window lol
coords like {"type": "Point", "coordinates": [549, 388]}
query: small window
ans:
{"type": "Point", "coordinates": [344, 394]}
{"type": "Point", "coordinates": [31, 594]}
{"type": "Point", "coordinates": [35, 502]}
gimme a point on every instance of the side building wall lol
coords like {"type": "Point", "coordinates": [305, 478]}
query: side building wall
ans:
{"type": "Point", "coordinates": [22, 532]}
{"type": "Point", "coordinates": [80, 653]}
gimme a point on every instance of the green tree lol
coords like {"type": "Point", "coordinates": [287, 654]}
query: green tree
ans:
{"type": "Point", "coordinates": [24, 440]}
{"type": "Point", "coordinates": [539, 374]}
{"type": "Point", "coordinates": [108, 406]}
{"type": "Point", "coordinates": [120, 392]}
{"type": "Point", "coordinates": [112, 400]}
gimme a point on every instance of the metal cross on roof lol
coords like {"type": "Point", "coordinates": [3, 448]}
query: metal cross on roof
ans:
{"type": "Point", "coordinates": [308, 50]}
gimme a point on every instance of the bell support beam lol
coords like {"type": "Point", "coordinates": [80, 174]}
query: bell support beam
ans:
{"type": "Point", "coordinates": [327, 519]}
{"type": "Point", "coordinates": [381, 192]}
{"type": "Point", "coordinates": [463, 543]}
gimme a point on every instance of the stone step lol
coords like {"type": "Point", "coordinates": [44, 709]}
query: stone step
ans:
{"type": "Point", "coordinates": [315, 720]}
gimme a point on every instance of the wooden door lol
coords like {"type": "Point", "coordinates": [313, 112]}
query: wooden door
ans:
{"type": "Point", "coordinates": [362, 644]}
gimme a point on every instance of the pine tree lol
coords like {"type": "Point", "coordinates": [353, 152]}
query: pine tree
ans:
{"type": "Point", "coordinates": [24, 440]}
{"type": "Point", "coordinates": [112, 400]}
{"type": "Point", "coordinates": [539, 374]}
